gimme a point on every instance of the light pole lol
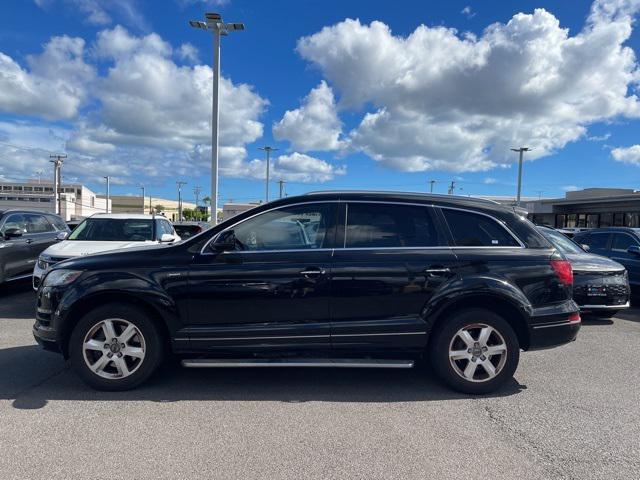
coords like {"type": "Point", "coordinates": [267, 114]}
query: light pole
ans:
{"type": "Point", "coordinates": [521, 150]}
{"type": "Point", "coordinates": [108, 196]}
{"type": "Point", "coordinates": [143, 195]}
{"type": "Point", "coordinates": [431, 183]}
{"type": "Point", "coordinates": [213, 22]}
{"type": "Point", "coordinates": [57, 161]}
{"type": "Point", "coordinates": [180, 184]}
{"type": "Point", "coordinates": [268, 150]}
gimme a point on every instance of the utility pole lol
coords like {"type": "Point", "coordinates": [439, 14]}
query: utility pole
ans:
{"type": "Point", "coordinates": [108, 179]}
{"type": "Point", "coordinates": [57, 161]}
{"type": "Point", "coordinates": [281, 183]}
{"type": "Point", "coordinates": [521, 150]}
{"type": "Point", "coordinates": [196, 192]}
{"type": "Point", "coordinates": [452, 187]}
{"type": "Point", "coordinates": [39, 174]}
{"type": "Point", "coordinates": [213, 22]}
{"type": "Point", "coordinates": [268, 150]}
{"type": "Point", "coordinates": [143, 195]}
{"type": "Point", "coordinates": [180, 184]}
{"type": "Point", "coordinates": [431, 183]}
{"type": "Point", "coordinates": [540, 192]}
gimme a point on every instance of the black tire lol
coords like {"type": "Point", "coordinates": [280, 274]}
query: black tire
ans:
{"type": "Point", "coordinates": [444, 337]}
{"type": "Point", "coordinates": [153, 347]}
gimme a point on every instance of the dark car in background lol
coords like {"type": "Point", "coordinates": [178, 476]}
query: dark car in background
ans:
{"type": "Point", "coordinates": [328, 279]}
{"type": "Point", "coordinates": [24, 235]}
{"type": "Point", "coordinates": [189, 229]}
{"type": "Point", "coordinates": [600, 285]}
{"type": "Point", "coordinates": [621, 244]}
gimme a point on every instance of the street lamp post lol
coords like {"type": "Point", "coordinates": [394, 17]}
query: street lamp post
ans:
{"type": "Point", "coordinates": [521, 150]}
{"type": "Point", "coordinates": [213, 22]}
{"type": "Point", "coordinates": [107, 179]}
{"type": "Point", "coordinates": [268, 150]}
{"type": "Point", "coordinates": [143, 195]}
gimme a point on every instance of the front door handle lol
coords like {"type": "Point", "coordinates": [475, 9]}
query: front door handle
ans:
{"type": "Point", "coordinates": [312, 272]}
{"type": "Point", "coordinates": [437, 271]}
{"type": "Point", "coordinates": [29, 240]}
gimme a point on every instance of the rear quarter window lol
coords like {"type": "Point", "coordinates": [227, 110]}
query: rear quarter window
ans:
{"type": "Point", "coordinates": [471, 229]}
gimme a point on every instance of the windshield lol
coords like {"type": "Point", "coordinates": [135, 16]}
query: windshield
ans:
{"type": "Point", "coordinates": [113, 230]}
{"type": "Point", "coordinates": [560, 241]}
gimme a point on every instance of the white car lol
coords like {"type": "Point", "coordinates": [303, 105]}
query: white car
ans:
{"type": "Point", "coordinates": [104, 232]}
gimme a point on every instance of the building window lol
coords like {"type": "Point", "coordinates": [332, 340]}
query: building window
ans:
{"type": "Point", "coordinates": [48, 189]}
{"type": "Point", "coordinates": [631, 220]}
{"type": "Point", "coordinates": [28, 189]}
{"type": "Point", "coordinates": [45, 200]}
{"type": "Point", "coordinates": [606, 219]}
{"type": "Point", "coordinates": [561, 221]}
{"type": "Point", "coordinates": [17, 188]}
{"type": "Point", "coordinates": [6, 187]}
{"type": "Point", "coordinates": [592, 220]}
{"type": "Point", "coordinates": [618, 219]}
{"type": "Point", "coordinates": [582, 220]}
{"type": "Point", "coordinates": [572, 220]}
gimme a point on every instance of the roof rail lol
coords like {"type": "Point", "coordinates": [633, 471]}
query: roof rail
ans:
{"type": "Point", "coordinates": [398, 192]}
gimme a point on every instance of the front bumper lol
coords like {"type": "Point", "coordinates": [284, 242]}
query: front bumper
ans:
{"type": "Point", "coordinates": [45, 329]}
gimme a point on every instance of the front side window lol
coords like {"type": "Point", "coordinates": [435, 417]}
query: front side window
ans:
{"type": "Point", "coordinates": [372, 225]}
{"type": "Point", "coordinates": [298, 227]}
{"type": "Point", "coordinates": [113, 230]}
{"type": "Point", "coordinates": [38, 224]}
{"type": "Point", "coordinates": [622, 241]}
{"type": "Point", "coordinates": [474, 230]}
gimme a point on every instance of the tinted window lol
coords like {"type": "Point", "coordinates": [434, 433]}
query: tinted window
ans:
{"type": "Point", "coordinates": [58, 223]}
{"type": "Point", "coordinates": [299, 227]}
{"type": "Point", "coordinates": [475, 230]}
{"type": "Point", "coordinates": [186, 231]}
{"type": "Point", "coordinates": [596, 240]}
{"type": "Point", "coordinates": [163, 227]}
{"type": "Point", "coordinates": [384, 225]}
{"type": "Point", "coordinates": [563, 243]}
{"type": "Point", "coordinates": [113, 230]}
{"type": "Point", "coordinates": [622, 241]}
{"type": "Point", "coordinates": [38, 224]}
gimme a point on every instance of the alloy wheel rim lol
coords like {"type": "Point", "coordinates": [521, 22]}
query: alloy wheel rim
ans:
{"type": "Point", "coordinates": [478, 352]}
{"type": "Point", "coordinates": [114, 348]}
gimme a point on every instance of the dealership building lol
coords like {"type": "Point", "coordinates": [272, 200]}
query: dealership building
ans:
{"type": "Point", "coordinates": [588, 208]}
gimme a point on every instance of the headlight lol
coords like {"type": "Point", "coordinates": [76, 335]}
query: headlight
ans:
{"type": "Point", "coordinates": [60, 277]}
{"type": "Point", "coordinates": [42, 263]}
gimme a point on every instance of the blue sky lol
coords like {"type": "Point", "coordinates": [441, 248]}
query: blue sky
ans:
{"type": "Point", "coordinates": [383, 105]}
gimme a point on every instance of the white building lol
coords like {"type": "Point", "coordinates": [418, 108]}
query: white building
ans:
{"type": "Point", "coordinates": [76, 200]}
{"type": "Point", "coordinates": [232, 209]}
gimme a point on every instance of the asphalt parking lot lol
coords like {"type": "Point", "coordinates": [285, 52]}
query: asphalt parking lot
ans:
{"type": "Point", "coordinates": [571, 412]}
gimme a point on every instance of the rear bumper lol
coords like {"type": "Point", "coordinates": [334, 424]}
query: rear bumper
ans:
{"type": "Point", "coordinates": [603, 308]}
{"type": "Point", "coordinates": [553, 326]}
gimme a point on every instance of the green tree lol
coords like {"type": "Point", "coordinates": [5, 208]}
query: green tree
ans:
{"type": "Point", "coordinates": [160, 208]}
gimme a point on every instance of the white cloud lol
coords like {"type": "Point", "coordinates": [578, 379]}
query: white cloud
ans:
{"type": "Point", "coordinates": [441, 100]}
{"type": "Point", "coordinates": [490, 181]}
{"type": "Point", "coordinates": [570, 188]}
{"type": "Point", "coordinates": [296, 167]}
{"type": "Point", "coordinates": [468, 12]}
{"type": "Point", "coordinates": [100, 12]}
{"type": "Point", "coordinates": [148, 101]}
{"type": "Point", "coordinates": [627, 154]}
{"type": "Point", "coordinates": [313, 126]}
{"type": "Point", "coordinates": [54, 87]}
{"type": "Point", "coordinates": [188, 53]}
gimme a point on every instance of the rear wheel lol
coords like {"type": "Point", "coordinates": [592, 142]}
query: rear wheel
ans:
{"type": "Point", "coordinates": [115, 347]}
{"type": "Point", "coordinates": [476, 351]}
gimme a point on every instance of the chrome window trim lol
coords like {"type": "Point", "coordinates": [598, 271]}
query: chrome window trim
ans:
{"type": "Point", "coordinates": [299, 336]}
{"type": "Point", "coordinates": [346, 202]}
{"type": "Point", "coordinates": [499, 222]}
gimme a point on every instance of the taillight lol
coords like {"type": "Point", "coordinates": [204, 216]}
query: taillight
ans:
{"type": "Point", "coordinates": [574, 317]}
{"type": "Point", "coordinates": [563, 271]}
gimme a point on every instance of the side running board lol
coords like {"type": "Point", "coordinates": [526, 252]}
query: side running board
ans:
{"type": "Point", "coordinates": [300, 362]}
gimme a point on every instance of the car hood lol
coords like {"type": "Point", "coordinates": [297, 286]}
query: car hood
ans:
{"type": "Point", "coordinates": [588, 262]}
{"type": "Point", "coordinates": [78, 248]}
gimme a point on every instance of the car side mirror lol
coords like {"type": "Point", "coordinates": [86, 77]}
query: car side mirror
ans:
{"type": "Point", "coordinates": [585, 247]}
{"type": "Point", "coordinates": [62, 236]}
{"type": "Point", "coordinates": [12, 233]}
{"type": "Point", "coordinates": [167, 238]}
{"type": "Point", "coordinates": [634, 249]}
{"type": "Point", "coordinates": [225, 242]}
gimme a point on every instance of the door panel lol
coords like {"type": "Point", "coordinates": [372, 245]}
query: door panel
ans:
{"type": "Point", "coordinates": [382, 279]}
{"type": "Point", "coordinates": [16, 252]}
{"type": "Point", "coordinates": [619, 244]}
{"type": "Point", "coordinates": [272, 291]}
{"type": "Point", "coordinates": [260, 300]}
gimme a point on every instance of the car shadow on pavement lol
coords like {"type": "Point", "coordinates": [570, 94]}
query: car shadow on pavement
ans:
{"type": "Point", "coordinates": [17, 300]}
{"type": "Point", "coordinates": [31, 377]}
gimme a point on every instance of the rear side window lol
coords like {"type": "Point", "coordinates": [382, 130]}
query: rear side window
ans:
{"type": "Point", "coordinates": [386, 225]}
{"type": "Point", "coordinates": [596, 240]}
{"type": "Point", "coordinates": [474, 230]}
{"type": "Point", "coordinates": [622, 241]}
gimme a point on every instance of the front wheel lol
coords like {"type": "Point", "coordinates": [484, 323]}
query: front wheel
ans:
{"type": "Point", "coordinates": [476, 351]}
{"type": "Point", "coordinates": [115, 347]}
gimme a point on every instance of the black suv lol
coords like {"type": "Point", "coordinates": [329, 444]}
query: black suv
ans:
{"type": "Point", "coordinates": [328, 279]}
{"type": "Point", "coordinates": [24, 235]}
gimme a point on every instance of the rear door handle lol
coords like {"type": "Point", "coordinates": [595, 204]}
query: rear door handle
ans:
{"type": "Point", "coordinates": [29, 240]}
{"type": "Point", "coordinates": [437, 271]}
{"type": "Point", "coordinates": [312, 272]}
